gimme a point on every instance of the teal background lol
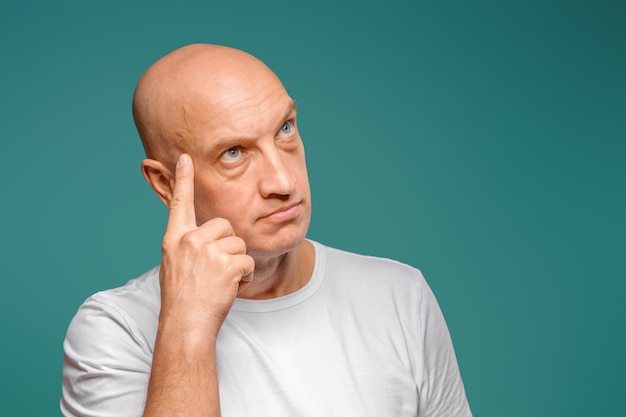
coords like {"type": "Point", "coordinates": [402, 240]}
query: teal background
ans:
{"type": "Point", "coordinates": [483, 142]}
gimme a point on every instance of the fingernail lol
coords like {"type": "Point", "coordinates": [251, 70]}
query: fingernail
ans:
{"type": "Point", "coordinates": [182, 160]}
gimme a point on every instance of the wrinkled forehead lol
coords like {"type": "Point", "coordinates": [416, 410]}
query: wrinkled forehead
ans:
{"type": "Point", "coordinates": [202, 88]}
{"type": "Point", "coordinates": [233, 113]}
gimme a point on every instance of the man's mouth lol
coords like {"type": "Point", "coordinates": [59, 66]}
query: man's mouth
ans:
{"type": "Point", "coordinates": [284, 213]}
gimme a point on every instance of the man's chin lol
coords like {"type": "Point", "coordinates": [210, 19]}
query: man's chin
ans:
{"type": "Point", "coordinates": [277, 242]}
{"type": "Point", "coordinates": [274, 247]}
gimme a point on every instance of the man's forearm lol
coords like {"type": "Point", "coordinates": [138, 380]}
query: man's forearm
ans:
{"type": "Point", "coordinates": [183, 381]}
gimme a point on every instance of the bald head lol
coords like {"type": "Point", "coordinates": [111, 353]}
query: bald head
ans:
{"type": "Point", "coordinates": [192, 85]}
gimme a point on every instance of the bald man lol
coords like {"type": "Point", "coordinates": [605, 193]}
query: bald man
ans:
{"type": "Point", "coordinates": [245, 316]}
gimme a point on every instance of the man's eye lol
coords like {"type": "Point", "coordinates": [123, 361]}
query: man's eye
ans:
{"type": "Point", "coordinates": [286, 128]}
{"type": "Point", "coordinates": [231, 155]}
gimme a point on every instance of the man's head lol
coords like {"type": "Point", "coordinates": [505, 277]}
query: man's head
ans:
{"type": "Point", "coordinates": [232, 115]}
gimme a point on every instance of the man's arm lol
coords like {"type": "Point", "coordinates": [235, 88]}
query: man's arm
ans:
{"type": "Point", "coordinates": [201, 272]}
{"type": "Point", "coordinates": [441, 390]}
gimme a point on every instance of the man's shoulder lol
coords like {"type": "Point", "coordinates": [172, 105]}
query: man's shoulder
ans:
{"type": "Point", "coordinates": [109, 343]}
{"type": "Point", "coordinates": [369, 262]}
{"type": "Point", "coordinates": [136, 303]}
{"type": "Point", "coordinates": [367, 269]}
{"type": "Point", "coordinates": [143, 290]}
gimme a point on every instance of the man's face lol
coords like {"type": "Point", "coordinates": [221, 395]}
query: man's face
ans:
{"type": "Point", "coordinates": [250, 165]}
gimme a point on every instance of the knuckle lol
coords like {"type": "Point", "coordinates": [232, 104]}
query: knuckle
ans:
{"type": "Point", "coordinates": [168, 242]}
{"type": "Point", "coordinates": [221, 224]}
{"type": "Point", "coordinates": [191, 240]}
{"type": "Point", "coordinates": [221, 221]}
{"type": "Point", "coordinates": [218, 256]}
{"type": "Point", "coordinates": [245, 266]}
{"type": "Point", "coordinates": [239, 245]}
{"type": "Point", "coordinates": [177, 201]}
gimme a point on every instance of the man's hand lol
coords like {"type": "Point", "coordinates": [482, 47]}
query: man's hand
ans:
{"type": "Point", "coordinates": [203, 267]}
{"type": "Point", "coordinates": [202, 270]}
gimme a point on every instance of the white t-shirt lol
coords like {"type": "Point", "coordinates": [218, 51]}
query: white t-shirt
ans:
{"type": "Point", "coordinates": [364, 337]}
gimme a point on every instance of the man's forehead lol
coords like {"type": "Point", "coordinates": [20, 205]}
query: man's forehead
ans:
{"type": "Point", "coordinates": [250, 122]}
{"type": "Point", "coordinates": [198, 89]}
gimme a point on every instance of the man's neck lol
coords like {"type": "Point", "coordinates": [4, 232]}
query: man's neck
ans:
{"type": "Point", "coordinates": [282, 275]}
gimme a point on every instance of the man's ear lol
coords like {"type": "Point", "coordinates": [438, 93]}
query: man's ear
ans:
{"type": "Point", "coordinates": [160, 178]}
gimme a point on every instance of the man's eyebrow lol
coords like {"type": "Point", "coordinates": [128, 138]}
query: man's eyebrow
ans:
{"type": "Point", "coordinates": [227, 141]}
{"type": "Point", "coordinates": [293, 106]}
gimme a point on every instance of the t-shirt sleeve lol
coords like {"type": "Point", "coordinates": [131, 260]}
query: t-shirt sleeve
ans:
{"type": "Point", "coordinates": [106, 364]}
{"type": "Point", "coordinates": [441, 389]}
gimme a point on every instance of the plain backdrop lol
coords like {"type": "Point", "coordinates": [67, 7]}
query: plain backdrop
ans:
{"type": "Point", "coordinates": [480, 141]}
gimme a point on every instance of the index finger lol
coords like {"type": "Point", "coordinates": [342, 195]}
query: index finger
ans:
{"type": "Point", "coordinates": [182, 212]}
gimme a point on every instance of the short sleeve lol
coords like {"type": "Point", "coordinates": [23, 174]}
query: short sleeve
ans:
{"type": "Point", "coordinates": [441, 389]}
{"type": "Point", "coordinates": [106, 364]}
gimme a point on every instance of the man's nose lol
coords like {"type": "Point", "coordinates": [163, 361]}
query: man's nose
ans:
{"type": "Point", "coordinates": [276, 175]}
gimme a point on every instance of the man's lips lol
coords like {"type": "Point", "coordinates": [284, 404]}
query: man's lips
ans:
{"type": "Point", "coordinates": [284, 213]}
